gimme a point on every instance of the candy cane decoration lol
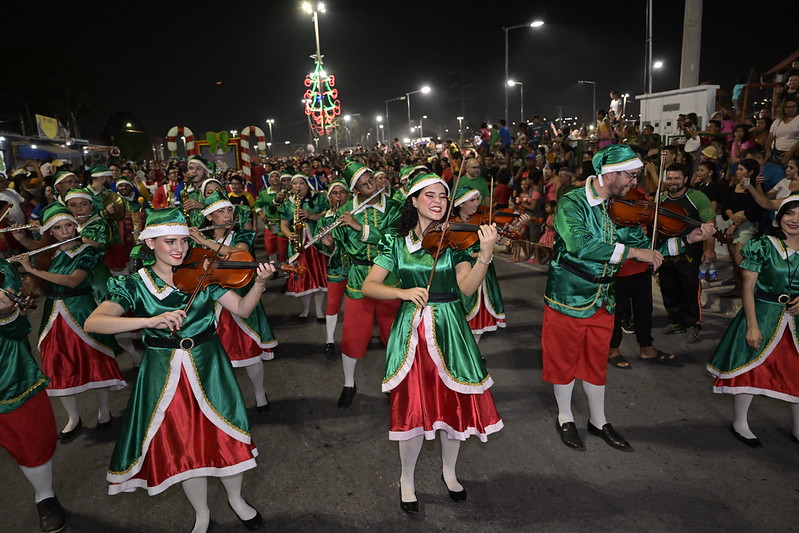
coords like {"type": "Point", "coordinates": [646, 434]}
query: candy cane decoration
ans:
{"type": "Point", "coordinates": [172, 140]}
{"type": "Point", "coordinates": [245, 147]}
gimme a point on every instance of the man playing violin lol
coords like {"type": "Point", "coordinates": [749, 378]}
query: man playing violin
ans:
{"type": "Point", "coordinates": [679, 274]}
{"type": "Point", "coordinates": [578, 316]}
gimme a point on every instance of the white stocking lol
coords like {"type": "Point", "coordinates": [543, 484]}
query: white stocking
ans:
{"type": "Point", "coordinates": [795, 416]}
{"type": "Point", "coordinates": [596, 403]}
{"type": "Point", "coordinates": [233, 488]}
{"type": "Point", "coordinates": [41, 479]}
{"type": "Point", "coordinates": [349, 370]}
{"type": "Point", "coordinates": [196, 490]}
{"type": "Point", "coordinates": [306, 304]}
{"type": "Point", "coordinates": [449, 458]}
{"type": "Point", "coordinates": [409, 453]}
{"type": "Point", "coordinates": [256, 374]}
{"type": "Point", "coordinates": [103, 411]}
{"type": "Point", "coordinates": [330, 326]}
{"type": "Point", "coordinates": [477, 337]}
{"type": "Point", "coordinates": [740, 410]}
{"type": "Point", "coordinates": [563, 397]}
{"type": "Point", "coordinates": [319, 300]}
{"type": "Point", "coordinates": [70, 404]}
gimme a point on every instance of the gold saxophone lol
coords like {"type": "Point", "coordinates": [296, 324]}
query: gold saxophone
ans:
{"type": "Point", "coordinates": [298, 227]}
{"type": "Point", "coordinates": [136, 218]}
{"type": "Point", "coordinates": [184, 195]}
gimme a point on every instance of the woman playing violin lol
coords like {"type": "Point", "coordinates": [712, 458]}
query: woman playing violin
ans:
{"type": "Point", "coordinates": [186, 403]}
{"type": "Point", "coordinates": [434, 371]}
{"type": "Point", "coordinates": [248, 342]}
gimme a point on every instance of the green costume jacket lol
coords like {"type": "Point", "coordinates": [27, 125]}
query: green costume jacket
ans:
{"type": "Point", "coordinates": [316, 203]}
{"type": "Point", "coordinates": [20, 376]}
{"type": "Point", "coordinates": [376, 220]}
{"type": "Point", "coordinates": [338, 262]}
{"type": "Point", "coordinates": [777, 274]}
{"type": "Point", "coordinates": [589, 240]}
{"type": "Point", "coordinates": [265, 203]}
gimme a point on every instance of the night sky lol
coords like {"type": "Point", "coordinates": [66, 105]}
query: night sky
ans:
{"type": "Point", "coordinates": [162, 61]}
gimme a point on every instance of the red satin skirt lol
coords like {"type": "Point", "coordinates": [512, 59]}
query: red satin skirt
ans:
{"type": "Point", "coordinates": [316, 278]}
{"type": "Point", "coordinates": [187, 441]}
{"type": "Point", "coordinates": [777, 376]}
{"type": "Point", "coordinates": [240, 347]}
{"type": "Point", "coordinates": [483, 320]}
{"type": "Point", "coordinates": [74, 366]}
{"type": "Point", "coordinates": [28, 432]}
{"type": "Point", "coordinates": [117, 256]}
{"type": "Point", "coordinates": [422, 404]}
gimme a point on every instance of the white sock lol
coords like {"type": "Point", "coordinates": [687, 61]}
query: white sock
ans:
{"type": "Point", "coordinates": [319, 301]}
{"type": "Point", "coordinates": [232, 486]}
{"type": "Point", "coordinates": [306, 304]}
{"type": "Point", "coordinates": [256, 374]}
{"type": "Point", "coordinates": [596, 403]}
{"type": "Point", "coordinates": [196, 490]}
{"type": "Point", "coordinates": [740, 410]}
{"type": "Point", "coordinates": [103, 411]}
{"type": "Point", "coordinates": [477, 337]}
{"type": "Point", "coordinates": [330, 326]}
{"type": "Point", "coordinates": [449, 458]}
{"type": "Point", "coordinates": [349, 370]}
{"type": "Point", "coordinates": [563, 397]}
{"type": "Point", "coordinates": [70, 404]}
{"type": "Point", "coordinates": [409, 453]}
{"type": "Point", "coordinates": [41, 479]}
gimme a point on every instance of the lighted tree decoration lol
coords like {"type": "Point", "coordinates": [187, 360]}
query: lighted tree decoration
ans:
{"type": "Point", "coordinates": [321, 98]}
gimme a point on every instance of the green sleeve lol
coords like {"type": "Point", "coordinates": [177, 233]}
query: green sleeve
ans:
{"type": "Point", "coordinates": [754, 254]}
{"type": "Point", "coordinates": [119, 292]}
{"type": "Point", "coordinates": [387, 258]}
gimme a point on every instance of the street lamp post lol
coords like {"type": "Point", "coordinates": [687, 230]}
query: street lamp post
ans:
{"type": "Point", "coordinates": [534, 24]}
{"type": "Point", "coordinates": [421, 126]}
{"type": "Point", "coordinates": [512, 83]}
{"type": "Point", "coordinates": [388, 127]}
{"type": "Point", "coordinates": [593, 84]}
{"type": "Point", "coordinates": [423, 90]}
{"type": "Point", "coordinates": [624, 97]}
{"type": "Point", "coordinates": [347, 127]}
{"type": "Point", "coordinates": [378, 119]}
{"type": "Point", "coordinates": [269, 122]}
{"type": "Point", "coordinates": [460, 130]}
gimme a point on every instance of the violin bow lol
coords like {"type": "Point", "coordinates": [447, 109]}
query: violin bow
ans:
{"type": "Point", "coordinates": [491, 202]}
{"type": "Point", "coordinates": [661, 174]}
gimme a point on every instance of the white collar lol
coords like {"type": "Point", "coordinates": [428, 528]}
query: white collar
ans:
{"type": "Point", "coordinates": [590, 195]}
{"type": "Point", "coordinates": [413, 246]}
{"type": "Point", "coordinates": [380, 205]}
{"type": "Point", "coordinates": [150, 283]}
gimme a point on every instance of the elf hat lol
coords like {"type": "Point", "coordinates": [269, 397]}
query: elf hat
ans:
{"type": "Point", "coordinates": [423, 180]}
{"type": "Point", "coordinates": [163, 222]}
{"type": "Point", "coordinates": [353, 171]}
{"type": "Point", "coordinates": [54, 213]}
{"type": "Point", "coordinates": [209, 167]}
{"type": "Point", "coordinates": [464, 194]}
{"type": "Point", "coordinates": [215, 201]}
{"type": "Point", "coordinates": [615, 158]}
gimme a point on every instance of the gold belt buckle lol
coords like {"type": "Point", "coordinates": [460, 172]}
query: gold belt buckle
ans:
{"type": "Point", "coordinates": [189, 343]}
{"type": "Point", "coordinates": [783, 298]}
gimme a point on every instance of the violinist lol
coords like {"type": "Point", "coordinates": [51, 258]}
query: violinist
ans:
{"type": "Point", "coordinates": [249, 341]}
{"type": "Point", "coordinates": [359, 236]}
{"type": "Point", "coordinates": [186, 418]}
{"type": "Point", "coordinates": [27, 423]}
{"type": "Point", "coordinates": [578, 315]}
{"type": "Point", "coordinates": [338, 264]}
{"type": "Point", "coordinates": [679, 273]}
{"type": "Point", "coordinates": [437, 379]}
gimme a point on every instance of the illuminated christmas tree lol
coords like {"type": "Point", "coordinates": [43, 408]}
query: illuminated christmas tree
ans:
{"type": "Point", "coordinates": [321, 98]}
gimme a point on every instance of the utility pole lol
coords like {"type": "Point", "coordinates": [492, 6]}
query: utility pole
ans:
{"type": "Point", "coordinates": [691, 43]}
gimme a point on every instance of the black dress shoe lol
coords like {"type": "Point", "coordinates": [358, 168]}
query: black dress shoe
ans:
{"type": "Point", "coordinates": [103, 425]}
{"type": "Point", "coordinates": [67, 436]}
{"type": "Point", "coordinates": [330, 351]}
{"type": "Point", "coordinates": [256, 522]}
{"type": "Point", "coordinates": [52, 517]}
{"type": "Point", "coordinates": [794, 439]}
{"type": "Point", "coordinates": [409, 507]}
{"type": "Point", "coordinates": [262, 409]}
{"type": "Point", "coordinates": [302, 318]}
{"type": "Point", "coordinates": [610, 436]}
{"type": "Point", "coordinates": [347, 394]}
{"type": "Point", "coordinates": [459, 496]}
{"type": "Point", "coordinates": [752, 443]}
{"type": "Point", "coordinates": [569, 435]}
{"type": "Point", "coordinates": [321, 320]}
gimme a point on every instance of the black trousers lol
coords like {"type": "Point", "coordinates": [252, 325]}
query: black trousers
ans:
{"type": "Point", "coordinates": [679, 285]}
{"type": "Point", "coordinates": [634, 293]}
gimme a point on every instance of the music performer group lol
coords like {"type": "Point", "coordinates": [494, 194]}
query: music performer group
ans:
{"type": "Point", "coordinates": [431, 303]}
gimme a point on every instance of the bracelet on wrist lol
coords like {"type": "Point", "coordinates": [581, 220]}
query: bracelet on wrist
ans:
{"type": "Point", "coordinates": [483, 261]}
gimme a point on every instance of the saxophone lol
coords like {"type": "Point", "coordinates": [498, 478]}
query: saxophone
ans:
{"type": "Point", "coordinates": [298, 227]}
{"type": "Point", "coordinates": [184, 195]}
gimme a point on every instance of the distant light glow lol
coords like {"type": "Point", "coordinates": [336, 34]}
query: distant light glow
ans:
{"type": "Point", "coordinates": [536, 23]}
{"type": "Point", "coordinates": [426, 89]}
{"type": "Point", "coordinates": [657, 64]}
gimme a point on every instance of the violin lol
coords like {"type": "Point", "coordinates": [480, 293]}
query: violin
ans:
{"type": "Point", "coordinates": [673, 221]}
{"type": "Point", "coordinates": [202, 267]}
{"type": "Point", "coordinates": [503, 216]}
{"type": "Point", "coordinates": [23, 299]}
{"type": "Point", "coordinates": [457, 235]}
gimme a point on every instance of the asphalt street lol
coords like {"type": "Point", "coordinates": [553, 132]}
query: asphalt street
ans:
{"type": "Point", "coordinates": [325, 469]}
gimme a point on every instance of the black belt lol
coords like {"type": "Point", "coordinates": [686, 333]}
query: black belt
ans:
{"type": "Point", "coordinates": [67, 293]}
{"type": "Point", "coordinates": [771, 297]}
{"type": "Point", "coordinates": [361, 262]}
{"type": "Point", "coordinates": [441, 297]}
{"type": "Point", "coordinates": [580, 273]}
{"type": "Point", "coordinates": [186, 343]}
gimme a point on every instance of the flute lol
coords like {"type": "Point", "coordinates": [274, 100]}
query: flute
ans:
{"type": "Point", "coordinates": [340, 220]}
{"type": "Point", "coordinates": [217, 226]}
{"type": "Point", "coordinates": [19, 228]}
{"type": "Point", "coordinates": [40, 250]}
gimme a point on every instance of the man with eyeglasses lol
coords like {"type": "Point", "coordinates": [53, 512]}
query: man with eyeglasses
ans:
{"type": "Point", "coordinates": [578, 315]}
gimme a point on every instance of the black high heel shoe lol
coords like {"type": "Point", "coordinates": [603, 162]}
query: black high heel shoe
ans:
{"type": "Point", "coordinates": [459, 496]}
{"type": "Point", "coordinates": [103, 425]}
{"type": "Point", "coordinates": [256, 522]}
{"type": "Point", "coordinates": [67, 436]}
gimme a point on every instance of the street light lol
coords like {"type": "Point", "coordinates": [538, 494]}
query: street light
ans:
{"type": "Point", "coordinates": [533, 24]}
{"type": "Point", "coordinates": [513, 83]}
{"type": "Point", "coordinates": [593, 83]}
{"type": "Point", "coordinates": [423, 90]}
{"type": "Point", "coordinates": [347, 119]}
{"type": "Point", "coordinates": [388, 127]}
{"type": "Point", "coordinates": [421, 126]}
{"type": "Point", "coordinates": [625, 96]}
{"type": "Point", "coordinates": [269, 122]}
{"type": "Point", "coordinates": [379, 119]}
{"type": "Point", "coordinates": [460, 129]}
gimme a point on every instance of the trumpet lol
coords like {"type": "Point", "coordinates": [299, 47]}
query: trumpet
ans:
{"type": "Point", "coordinates": [34, 227]}
{"type": "Point", "coordinates": [340, 219]}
